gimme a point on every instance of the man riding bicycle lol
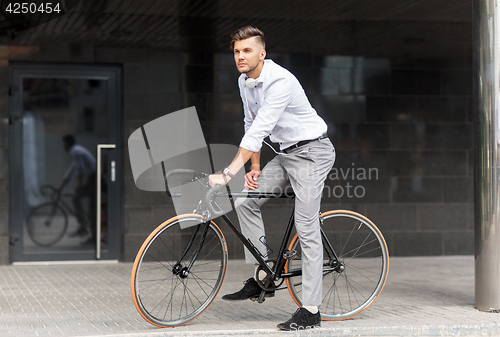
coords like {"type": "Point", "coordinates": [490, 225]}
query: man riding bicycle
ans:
{"type": "Point", "coordinates": [275, 105]}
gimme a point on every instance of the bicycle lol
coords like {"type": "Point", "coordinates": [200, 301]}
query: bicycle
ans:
{"type": "Point", "coordinates": [47, 223]}
{"type": "Point", "coordinates": [181, 266]}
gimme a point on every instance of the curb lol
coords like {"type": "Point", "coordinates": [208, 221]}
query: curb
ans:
{"type": "Point", "coordinates": [488, 329]}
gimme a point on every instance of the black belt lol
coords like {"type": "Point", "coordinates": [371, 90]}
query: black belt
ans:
{"type": "Point", "coordinates": [304, 142]}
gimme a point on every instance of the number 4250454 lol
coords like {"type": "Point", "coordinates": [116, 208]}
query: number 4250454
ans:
{"type": "Point", "coordinates": [33, 8]}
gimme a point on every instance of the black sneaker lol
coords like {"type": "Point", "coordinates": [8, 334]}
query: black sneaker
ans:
{"type": "Point", "coordinates": [302, 319]}
{"type": "Point", "coordinates": [250, 290]}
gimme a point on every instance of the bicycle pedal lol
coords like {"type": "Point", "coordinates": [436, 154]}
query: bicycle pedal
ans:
{"type": "Point", "coordinates": [257, 299]}
{"type": "Point", "coordinates": [290, 254]}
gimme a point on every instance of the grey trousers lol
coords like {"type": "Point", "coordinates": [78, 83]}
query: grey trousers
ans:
{"type": "Point", "coordinates": [305, 169]}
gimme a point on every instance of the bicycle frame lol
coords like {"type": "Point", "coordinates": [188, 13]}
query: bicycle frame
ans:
{"type": "Point", "coordinates": [276, 272]}
{"type": "Point", "coordinates": [57, 199]}
{"type": "Point", "coordinates": [65, 206]}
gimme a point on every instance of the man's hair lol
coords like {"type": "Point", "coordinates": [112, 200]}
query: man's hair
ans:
{"type": "Point", "coordinates": [70, 139]}
{"type": "Point", "coordinates": [246, 33]}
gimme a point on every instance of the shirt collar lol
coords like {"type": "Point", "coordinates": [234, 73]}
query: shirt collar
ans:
{"type": "Point", "coordinates": [264, 71]}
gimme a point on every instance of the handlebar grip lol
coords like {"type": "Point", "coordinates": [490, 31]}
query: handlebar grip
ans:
{"type": "Point", "coordinates": [180, 171]}
{"type": "Point", "coordinates": [210, 198]}
{"type": "Point", "coordinates": [173, 172]}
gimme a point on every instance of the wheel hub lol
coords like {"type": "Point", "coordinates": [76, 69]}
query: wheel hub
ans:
{"type": "Point", "coordinates": [339, 266]}
{"type": "Point", "coordinates": [180, 271]}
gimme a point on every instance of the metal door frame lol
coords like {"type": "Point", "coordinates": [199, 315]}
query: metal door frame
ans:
{"type": "Point", "coordinates": [17, 72]}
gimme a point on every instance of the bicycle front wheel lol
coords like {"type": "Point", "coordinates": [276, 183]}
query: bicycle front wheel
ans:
{"type": "Point", "coordinates": [354, 282]}
{"type": "Point", "coordinates": [179, 270]}
{"type": "Point", "coordinates": [46, 224]}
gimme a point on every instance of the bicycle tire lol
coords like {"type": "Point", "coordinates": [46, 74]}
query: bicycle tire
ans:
{"type": "Point", "coordinates": [361, 248]}
{"type": "Point", "coordinates": [47, 224]}
{"type": "Point", "coordinates": [161, 296]}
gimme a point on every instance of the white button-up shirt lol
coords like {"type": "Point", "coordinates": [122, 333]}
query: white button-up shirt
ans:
{"type": "Point", "coordinates": [277, 107]}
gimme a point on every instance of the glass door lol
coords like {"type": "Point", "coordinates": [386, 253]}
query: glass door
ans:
{"type": "Point", "coordinates": [65, 162]}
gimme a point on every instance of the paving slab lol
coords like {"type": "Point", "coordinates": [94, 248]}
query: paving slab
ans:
{"type": "Point", "coordinates": [423, 296]}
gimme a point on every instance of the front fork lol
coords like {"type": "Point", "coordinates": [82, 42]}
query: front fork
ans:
{"type": "Point", "coordinates": [178, 269]}
{"type": "Point", "coordinates": [333, 260]}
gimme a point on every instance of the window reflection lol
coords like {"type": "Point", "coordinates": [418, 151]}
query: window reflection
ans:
{"type": "Point", "coordinates": [59, 182]}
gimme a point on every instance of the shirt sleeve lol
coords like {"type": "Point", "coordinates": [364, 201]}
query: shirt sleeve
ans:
{"type": "Point", "coordinates": [247, 119]}
{"type": "Point", "coordinates": [277, 97]}
{"type": "Point", "coordinates": [76, 166]}
{"type": "Point", "coordinates": [79, 163]}
{"type": "Point", "coordinates": [70, 171]}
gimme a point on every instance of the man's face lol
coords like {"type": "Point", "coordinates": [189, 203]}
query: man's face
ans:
{"type": "Point", "coordinates": [247, 54]}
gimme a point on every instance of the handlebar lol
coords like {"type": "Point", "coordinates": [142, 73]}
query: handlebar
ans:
{"type": "Point", "coordinates": [210, 195]}
{"type": "Point", "coordinates": [210, 198]}
{"type": "Point", "coordinates": [51, 192]}
{"type": "Point", "coordinates": [181, 171]}
{"type": "Point", "coordinates": [208, 202]}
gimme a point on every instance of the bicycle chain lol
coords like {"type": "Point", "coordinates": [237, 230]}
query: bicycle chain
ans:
{"type": "Point", "coordinates": [298, 284]}
{"type": "Point", "coordinates": [261, 284]}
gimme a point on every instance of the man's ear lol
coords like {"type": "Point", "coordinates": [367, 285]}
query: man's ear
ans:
{"type": "Point", "coordinates": [262, 55]}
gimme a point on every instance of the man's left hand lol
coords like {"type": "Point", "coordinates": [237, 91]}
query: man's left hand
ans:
{"type": "Point", "coordinates": [218, 179]}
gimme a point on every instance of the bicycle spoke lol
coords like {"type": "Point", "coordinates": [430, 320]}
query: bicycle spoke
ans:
{"type": "Point", "coordinates": [358, 248]}
{"type": "Point", "coordinates": [357, 270]}
{"type": "Point", "coordinates": [166, 246]}
{"type": "Point", "coordinates": [336, 293]}
{"type": "Point", "coordinates": [342, 251]}
{"type": "Point", "coordinates": [164, 298]}
{"type": "Point", "coordinates": [329, 292]}
{"type": "Point", "coordinates": [160, 262]}
{"type": "Point", "coordinates": [201, 287]}
{"type": "Point", "coordinates": [183, 297]}
{"type": "Point", "coordinates": [359, 284]}
{"type": "Point", "coordinates": [154, 268]}
{"type": "Point", "coordinates": [152, 285]}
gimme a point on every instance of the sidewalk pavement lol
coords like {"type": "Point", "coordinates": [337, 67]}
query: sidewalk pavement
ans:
{"type": "Point", "coordinates": [423, 296]}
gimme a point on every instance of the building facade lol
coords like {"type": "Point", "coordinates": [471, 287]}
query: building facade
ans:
{"type": "Point", "coordinates": [392, 79]}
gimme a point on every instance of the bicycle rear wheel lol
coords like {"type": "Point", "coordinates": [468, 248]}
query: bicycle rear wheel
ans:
{"type": "Point", "coordinates": [353, 285]}
{"type": "Point", "coordinates": [46, 224]}
{"type": "Point", "coordinates": [168, 292]}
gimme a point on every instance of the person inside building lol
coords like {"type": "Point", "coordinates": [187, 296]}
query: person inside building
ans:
{"type": "Point", "coordinates": [83, 168]}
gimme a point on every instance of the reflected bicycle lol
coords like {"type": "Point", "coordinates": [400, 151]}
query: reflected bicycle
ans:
{"type": "Point", "coordinates": [47, 223]}
{"type": "Point", "coordinates": [181, 266]}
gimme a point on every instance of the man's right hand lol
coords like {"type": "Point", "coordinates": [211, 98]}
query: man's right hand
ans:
{"type": "Point", "coordinates": [251, 179]}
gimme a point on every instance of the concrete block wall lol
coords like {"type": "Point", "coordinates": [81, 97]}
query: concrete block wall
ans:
{"type": "Point", "coordinates": [408, 123]}
{"type": "Point", "coordinates": [409, 119]}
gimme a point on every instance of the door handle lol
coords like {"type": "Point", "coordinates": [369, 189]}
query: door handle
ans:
{"type": "Point", "coordinates": [99, 197]}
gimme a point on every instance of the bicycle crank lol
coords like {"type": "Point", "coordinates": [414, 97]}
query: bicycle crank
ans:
{"type": "Point", "coordinates": [267, 283]}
